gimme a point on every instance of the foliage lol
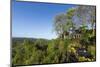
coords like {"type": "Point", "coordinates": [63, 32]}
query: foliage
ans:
{"type": "Point", "coordinates": [42, 51]}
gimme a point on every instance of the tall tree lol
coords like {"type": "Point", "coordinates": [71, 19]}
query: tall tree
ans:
{"type": "Point", "coordinates": [92, 18]}
{"type": "Point", "coordinates": [64, 22]}
{"type": "Point", "coordinates": [60, 24]}
{"type": "Point", "coordinates": [70, 22]}
{"type": "Point", "coordinates": [87, 15]}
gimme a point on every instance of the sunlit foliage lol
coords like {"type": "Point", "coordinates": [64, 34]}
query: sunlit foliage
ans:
{"type": "Point", "coordinates": [67, 47]}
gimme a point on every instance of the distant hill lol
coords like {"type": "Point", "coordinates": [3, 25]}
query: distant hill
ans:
{"type": "Point", "coordinates": [21, 39]}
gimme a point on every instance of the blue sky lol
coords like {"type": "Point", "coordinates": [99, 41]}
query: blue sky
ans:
{"type": "Point", "coordinates": [35, 19]}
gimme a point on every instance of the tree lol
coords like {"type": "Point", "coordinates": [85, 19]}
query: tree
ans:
{"type": "Point", "coordinates": [87, 15]}
{"type": "Point", "coordinates": [64, 22]}
{"type": "Point", "coordinates": [82, 12]}
{"type": "Point", "coordinates": [59, 24]}
{"type": "Point", "coordinates": [92, 19]}
{"type": "Point", "coordinates": [70, 22]}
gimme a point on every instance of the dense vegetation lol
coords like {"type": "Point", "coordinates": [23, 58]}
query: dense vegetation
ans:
{"type": "Point", "coordinates": [76, 41]}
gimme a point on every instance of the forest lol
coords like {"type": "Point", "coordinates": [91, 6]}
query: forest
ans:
{"type": "Point", "coordinates": [75, 42]}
